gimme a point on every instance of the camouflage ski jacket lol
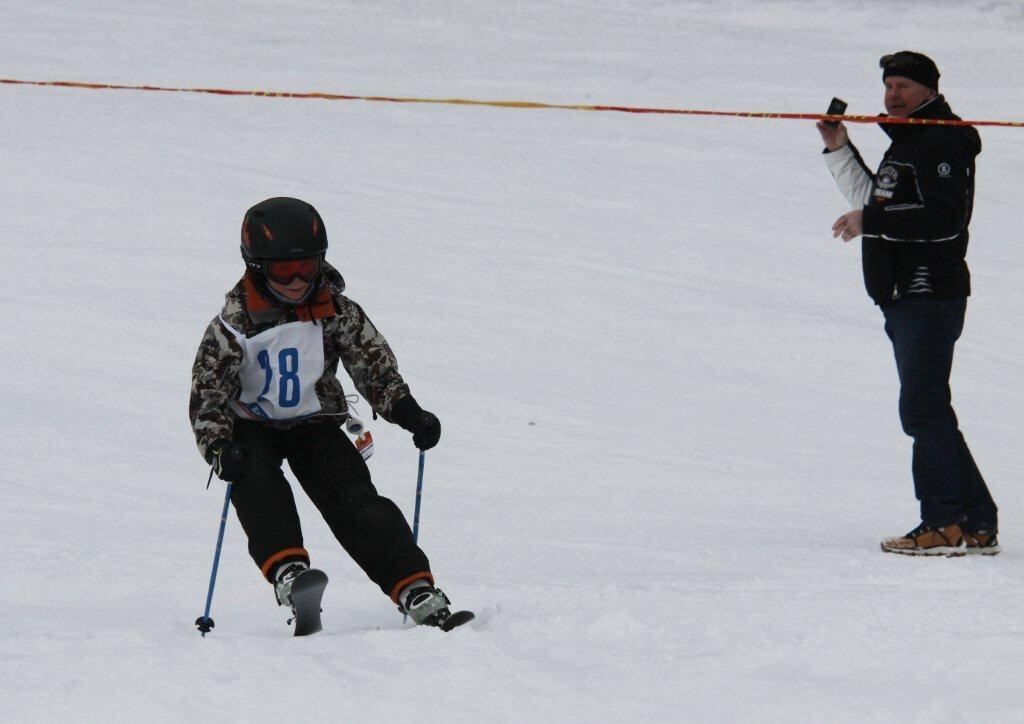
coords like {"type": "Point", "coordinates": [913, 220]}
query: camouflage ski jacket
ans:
{"type": "Point", "coordinates": [226, 363]}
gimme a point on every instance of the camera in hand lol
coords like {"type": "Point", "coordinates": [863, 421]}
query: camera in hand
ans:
{"type": "Point", "coordinates": [836, 108]}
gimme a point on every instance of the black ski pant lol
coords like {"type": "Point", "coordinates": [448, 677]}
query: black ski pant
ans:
{"type": "Point", "coordinates": [946, 480]}
{"type": "Point", "coordinates": [370, 528]}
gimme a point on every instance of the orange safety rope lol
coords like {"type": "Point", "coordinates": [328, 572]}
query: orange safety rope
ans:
{"type": "Point", "coordinates": [513, 104]}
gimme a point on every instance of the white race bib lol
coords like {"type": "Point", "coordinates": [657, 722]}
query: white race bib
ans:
{"type": "Point", "coordinates": [280, 368]}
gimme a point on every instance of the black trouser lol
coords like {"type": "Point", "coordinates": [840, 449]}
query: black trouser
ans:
{"type": "Point", "coordinates": [369, 527]}
{"type": "Point", "coordinates": [946, 480]}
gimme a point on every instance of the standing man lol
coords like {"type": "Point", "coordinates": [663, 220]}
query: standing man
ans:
{"type": "Point", "coordinates": [912, 216]}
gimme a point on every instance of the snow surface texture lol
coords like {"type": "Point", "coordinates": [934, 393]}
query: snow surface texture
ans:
{"type": "Point", "coordinates": [670, 434]}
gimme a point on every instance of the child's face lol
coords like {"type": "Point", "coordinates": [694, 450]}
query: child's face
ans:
{"type": "Point", "coordinates": [294, 290]}
{"type": "Point", "coordinates": [290, 278]}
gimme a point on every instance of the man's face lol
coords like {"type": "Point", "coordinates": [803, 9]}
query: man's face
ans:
{"type": "Point", "coordinates": [903, 95]}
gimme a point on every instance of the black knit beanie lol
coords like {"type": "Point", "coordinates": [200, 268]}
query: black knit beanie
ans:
{"type": "Point", "coordinates": [908, 64]}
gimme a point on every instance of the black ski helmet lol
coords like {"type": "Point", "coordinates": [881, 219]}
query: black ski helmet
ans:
{"type": "Point", "coordinates": [282, 228]}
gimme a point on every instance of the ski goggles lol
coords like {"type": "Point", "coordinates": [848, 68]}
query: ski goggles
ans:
{"type": "Point", "coordinates": [285, 271]}
{"type": "Point", "coordinates": [897, 60]}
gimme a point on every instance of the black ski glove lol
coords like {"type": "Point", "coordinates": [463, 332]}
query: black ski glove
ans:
{"type": "Point", "coordinates": [228, 460]}
{"type": "Point", "coordinates": [424, 426]}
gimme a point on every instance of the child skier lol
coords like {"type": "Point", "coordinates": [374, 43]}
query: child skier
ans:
{"type": "Point", "coordinates": [264, 390]}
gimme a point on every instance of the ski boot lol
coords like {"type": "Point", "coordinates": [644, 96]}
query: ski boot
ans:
{"type": "Point", "coordinates": [300, 588]}
{"type": "Point", "coordinates": [428, 606]}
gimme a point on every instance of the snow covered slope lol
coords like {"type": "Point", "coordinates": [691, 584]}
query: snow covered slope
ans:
{"type": "Point", "coordinates": [670, 435]}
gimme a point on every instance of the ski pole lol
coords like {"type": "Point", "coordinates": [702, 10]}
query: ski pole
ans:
{"type": "Point", "coordinates": [419, 494]}
{"type": "Point", "coordinates": [204, 623]}
{"type": "Point", "coordinates": [416, 513]}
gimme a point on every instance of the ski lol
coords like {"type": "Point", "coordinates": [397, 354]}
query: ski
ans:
{"type": "Point", "coordinates": [456, 619]}
{"type": "Point", "coordinates": [307, 590]}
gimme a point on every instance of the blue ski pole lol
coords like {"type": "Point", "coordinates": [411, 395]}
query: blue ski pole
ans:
{"type": "Point", "coordinates": [204, 623]}
{"type": "Point", "coordinates": [419, 494]}
{"type": "Point", "coordinates": [416, 514]}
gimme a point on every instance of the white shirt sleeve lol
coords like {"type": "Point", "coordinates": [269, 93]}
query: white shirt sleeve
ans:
{"type": "Point", "coordinates": [854, 180]}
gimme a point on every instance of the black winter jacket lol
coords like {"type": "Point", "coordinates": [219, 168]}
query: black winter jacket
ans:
{"type": "Point", "coordinates": [917, 206]}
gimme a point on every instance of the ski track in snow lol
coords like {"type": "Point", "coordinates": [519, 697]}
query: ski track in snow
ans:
{"type": "Point", "coordinates": [670, 434]}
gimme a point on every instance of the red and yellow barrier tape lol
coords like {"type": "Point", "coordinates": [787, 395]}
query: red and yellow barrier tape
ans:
{"type": "Point", "coordinates": [508, 104]}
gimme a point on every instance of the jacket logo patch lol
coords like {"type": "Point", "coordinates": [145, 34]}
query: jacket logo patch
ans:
{"type": "Point", "coordinates": [888, 177]}
{"type": "Point", "coordinates": [944, 170]}
{"type": "Point", "coordinates": [886, 181]}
